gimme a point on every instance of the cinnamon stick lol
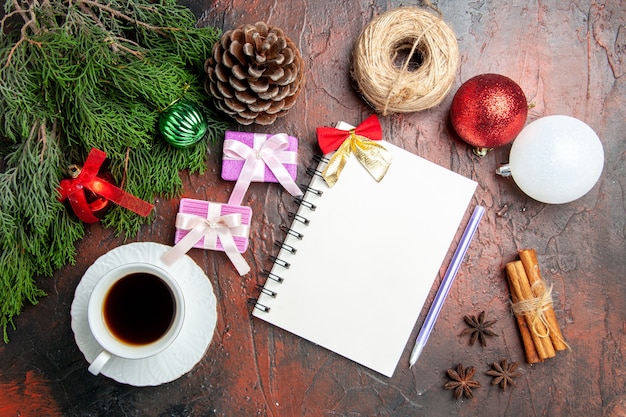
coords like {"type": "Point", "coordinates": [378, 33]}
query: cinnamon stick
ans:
{"type": "Point", "coordinates": [527, 340]}
{"type": "Point", "coordinates": [520, 286]}
{"type": "Point", "coordinates": [531, 266]}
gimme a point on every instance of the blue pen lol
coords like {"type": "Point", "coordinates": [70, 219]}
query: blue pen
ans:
{"type": "Point", "coordinates": [446, 284]}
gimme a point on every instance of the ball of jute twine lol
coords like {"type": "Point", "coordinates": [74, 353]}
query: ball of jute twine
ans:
{"type": "Point", "coordinates": [409, 32]}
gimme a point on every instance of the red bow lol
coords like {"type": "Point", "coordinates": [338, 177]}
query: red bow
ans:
{"type": "Point", "coordinates": [330, 139]}
{"type": "Point", "coordinates": [74, 190]}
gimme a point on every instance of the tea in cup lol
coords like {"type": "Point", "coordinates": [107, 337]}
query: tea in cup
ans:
{"type": "Point", "coordinates": [135, 311]}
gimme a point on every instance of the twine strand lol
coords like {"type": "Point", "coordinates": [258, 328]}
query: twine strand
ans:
{"type": "Point", "coordinates": [537, 307]}
{"type": "Point", "coordinates": [390, 88]}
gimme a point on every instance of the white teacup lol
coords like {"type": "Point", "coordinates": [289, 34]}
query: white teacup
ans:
{"type": "Point", "coordinates": [135, 311]}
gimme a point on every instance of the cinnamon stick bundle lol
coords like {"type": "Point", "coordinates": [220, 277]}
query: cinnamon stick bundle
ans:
{"type": "Point", "coordinates": [538, 326]}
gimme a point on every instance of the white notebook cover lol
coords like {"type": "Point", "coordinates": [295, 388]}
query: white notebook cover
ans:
{"type": "Point", "coordinates": [368, 258]}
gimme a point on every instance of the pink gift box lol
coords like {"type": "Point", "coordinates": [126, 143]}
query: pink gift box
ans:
{"type": "Point", "coordinates": [231, 167]}
{"type": "Point", "coordinates": [203, 208]}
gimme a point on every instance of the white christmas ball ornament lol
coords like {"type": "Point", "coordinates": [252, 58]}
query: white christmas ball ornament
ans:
{"type": "Point", "coordinates": [555, 159]}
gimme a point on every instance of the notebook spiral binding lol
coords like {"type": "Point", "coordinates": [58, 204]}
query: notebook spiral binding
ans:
{"type": "Point", "coordinates": [303, 202]}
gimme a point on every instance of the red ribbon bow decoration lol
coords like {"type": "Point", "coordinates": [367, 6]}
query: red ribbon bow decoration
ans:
{"type": "Point", "coordinates": [330, 138]}
{"type": "Point", "coordinates": [358, 141]}
{"type": "Point", "coordinates": [73, 190]}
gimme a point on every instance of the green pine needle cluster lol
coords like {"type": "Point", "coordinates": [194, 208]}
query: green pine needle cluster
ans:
{"type": "Point", "coordinates": [82, 74]}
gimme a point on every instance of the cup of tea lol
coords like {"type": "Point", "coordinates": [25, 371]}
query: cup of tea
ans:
{"type": "Point", "coordinates": [135, 311]}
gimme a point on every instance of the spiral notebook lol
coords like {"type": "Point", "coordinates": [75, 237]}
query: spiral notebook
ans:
{"type": "Point", "coordinates": [360, 258]}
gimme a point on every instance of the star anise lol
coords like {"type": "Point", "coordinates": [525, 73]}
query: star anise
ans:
{"type": "Point", "coordinates": [461, 381]}
{"type": "Point", "coordinates": [503, 373]}
{"type": "Point", "coordinates": [479, 328]}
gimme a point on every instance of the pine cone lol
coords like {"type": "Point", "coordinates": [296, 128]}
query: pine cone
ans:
{"type": "Point", "coordinates": [255, 74]}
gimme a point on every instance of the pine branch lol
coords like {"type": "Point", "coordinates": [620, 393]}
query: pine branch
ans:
{"type": "Point", "coordinates": [118, 14]}
{"type": "Point", "coordinates": [91, 73]}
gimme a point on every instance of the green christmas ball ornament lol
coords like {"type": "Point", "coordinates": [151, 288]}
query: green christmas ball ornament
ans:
{"type": "Point", "coordinates": [182, 124]}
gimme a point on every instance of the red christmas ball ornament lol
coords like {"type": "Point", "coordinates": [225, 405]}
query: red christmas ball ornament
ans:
{"type": "Point", "coordinates": [90, 191]}
{"type": "Point", "coordinates": [488, 110]}
{"type": "Point", "coordinates": [95, 203]}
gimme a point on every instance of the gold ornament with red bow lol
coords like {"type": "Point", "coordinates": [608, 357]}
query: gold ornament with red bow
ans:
{"type": "Point", "coordinates": [358, 141]}
{"type": "Point", "coordinates": [86, 180]}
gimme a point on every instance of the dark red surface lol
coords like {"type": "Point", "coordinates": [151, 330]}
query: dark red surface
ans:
{"type": "Point", "coordinates": [569, 58]}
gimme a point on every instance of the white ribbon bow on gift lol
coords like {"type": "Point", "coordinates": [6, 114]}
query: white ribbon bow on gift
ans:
{"type": "Point", "coordinates": [272, 153]}
{"type": "Point", "coordinates": [211, 229]}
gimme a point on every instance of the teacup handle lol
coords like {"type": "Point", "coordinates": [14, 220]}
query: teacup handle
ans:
{"type": "Point", "coordinates": [98, 363]}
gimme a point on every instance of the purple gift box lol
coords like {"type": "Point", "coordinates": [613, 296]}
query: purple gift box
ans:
{"type": "Point", "coordinates": [232, 165]}
{"type": "Point", "coordinates": [211, 210]}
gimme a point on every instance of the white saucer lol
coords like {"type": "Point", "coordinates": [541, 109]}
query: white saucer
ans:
{"type": "Point", "coordinates": [195, 335]}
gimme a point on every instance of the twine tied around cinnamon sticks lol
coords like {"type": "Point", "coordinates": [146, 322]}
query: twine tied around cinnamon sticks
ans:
{"type": "Point", "coordinates": [536, 307]}
{"type": "Point", "coordinates": [532, 306]}
{"type": "Point", "coordinates": [405, 32]}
